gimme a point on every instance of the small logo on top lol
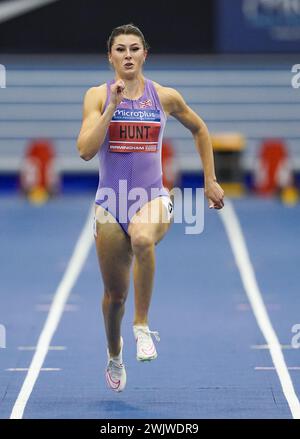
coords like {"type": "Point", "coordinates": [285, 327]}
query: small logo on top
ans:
{"type": "Point", "coordinates": [146, 103]}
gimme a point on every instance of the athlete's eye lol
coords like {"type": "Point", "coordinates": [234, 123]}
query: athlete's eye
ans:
{"type": "Point", "coordinates": [136, 48]}
{"type": "Point", "coordinates": [120, 49]}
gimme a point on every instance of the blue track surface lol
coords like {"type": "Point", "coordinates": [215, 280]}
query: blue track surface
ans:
{"type": "Point", "coordinates": [206, 360]}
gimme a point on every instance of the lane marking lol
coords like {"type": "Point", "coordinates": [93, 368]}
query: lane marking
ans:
{"type": "Point", "coordinates": [265, 346]}
{"type": "Point", "coordinates": [49, 297]}
{"type": "Point", "coordinates": [242, 259]}
{"type": "Point", "coordinates": [47, 306]}
{"type": "Point", "coordinates": [61, 296]}
{"type": "Point", "coordinates": [247, 307]}
{"type": "Point", "coordinates": [25, 369]}
{"type": "Point", "coordinates": [50, 348]}
{"type": "Point", "coordinates": [273, 368]}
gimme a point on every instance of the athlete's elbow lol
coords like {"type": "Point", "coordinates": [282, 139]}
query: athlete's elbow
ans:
{"type": "Point", "coordinates": [85, 157]}
{"type": "Point", "coordinates": [200, 129]}
{"type": "Point", "coordinates": [84, 154]}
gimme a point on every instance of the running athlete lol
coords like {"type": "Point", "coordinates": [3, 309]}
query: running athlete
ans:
{"type": "Point", "coordinates": [123, 123]}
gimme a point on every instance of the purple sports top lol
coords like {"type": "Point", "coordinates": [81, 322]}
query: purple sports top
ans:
{"type": "Point", "coordinates": [130, 156]}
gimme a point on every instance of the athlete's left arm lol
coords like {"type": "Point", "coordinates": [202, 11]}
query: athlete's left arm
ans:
{"type": "Point", "coordinates": [177, 107]}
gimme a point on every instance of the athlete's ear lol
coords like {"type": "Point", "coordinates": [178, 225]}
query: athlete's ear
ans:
{"type": "Point", "coordinates": [146, 54]}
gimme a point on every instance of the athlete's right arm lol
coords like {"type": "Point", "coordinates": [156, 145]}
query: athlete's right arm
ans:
{"type": "Point", "coordinates": [95, 123]}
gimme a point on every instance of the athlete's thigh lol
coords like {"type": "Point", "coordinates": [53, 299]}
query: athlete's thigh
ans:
{"type": "Point", "coordinates": [113, 250]}
{"type": "Point", "coordinates": [153, 219]}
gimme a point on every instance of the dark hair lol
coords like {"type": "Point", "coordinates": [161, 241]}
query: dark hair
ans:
{"type": "Point", "coordinates": [126, 29]}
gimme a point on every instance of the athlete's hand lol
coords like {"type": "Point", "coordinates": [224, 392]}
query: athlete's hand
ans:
{"type": "Point", "coordinates": [117, 90]}
{"type": "Point", "coordinates": [215, 194]}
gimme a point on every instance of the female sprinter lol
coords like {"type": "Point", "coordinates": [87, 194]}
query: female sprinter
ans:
{"type": "Point", "coordinates": [123, 123]}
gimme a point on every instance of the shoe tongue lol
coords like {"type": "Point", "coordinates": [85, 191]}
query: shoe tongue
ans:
{"type": "Point", "coordinates": [117, 359]}
{"type": "Point", "coordinates": [144, 327]}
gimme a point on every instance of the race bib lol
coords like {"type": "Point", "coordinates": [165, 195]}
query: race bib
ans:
{"type": "Point", "coordinates": [134, 131]}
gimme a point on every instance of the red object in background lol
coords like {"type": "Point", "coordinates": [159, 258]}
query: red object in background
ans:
{"type": "Point", "coordinates": [38, 167]}
{"type": "Point", "coordinates": [168, 164]}
{"type": "Point", "coordinates": [273, 170]}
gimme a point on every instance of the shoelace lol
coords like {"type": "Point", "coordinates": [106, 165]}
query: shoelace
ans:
{"type": "Point", "coordinates": [148, 332]}
{"type": "Point", "coordinates": [114, 367]}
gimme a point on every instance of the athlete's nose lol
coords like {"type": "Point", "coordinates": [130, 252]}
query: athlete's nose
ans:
{"type": "Point", "coordinates": [128, 54]}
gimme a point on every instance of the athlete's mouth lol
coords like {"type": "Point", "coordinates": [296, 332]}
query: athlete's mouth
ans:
{"type": "Point", "coordinates": [128, 64]}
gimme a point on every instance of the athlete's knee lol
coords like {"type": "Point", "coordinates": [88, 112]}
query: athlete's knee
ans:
{"type": "Point", "coordinates": [141, 243]}
{"type": "Point", "coordinates": [115, 297]}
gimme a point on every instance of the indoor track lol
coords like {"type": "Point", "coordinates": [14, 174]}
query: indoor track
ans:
{"type": "Point", "coordinates": [213, 357]}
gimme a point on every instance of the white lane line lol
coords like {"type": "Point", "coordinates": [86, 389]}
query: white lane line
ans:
{"type": "Point", "coordinates": [247, 307]}
{"type": "Point", "coordinates": [69, 279]}
{"type": "Point", "coordinates": [50, 348]}
{"type": "Point", "coordinates": [24, 369]}
{"type": "Point", "coordinates": [273, 368]}
{"type": "Point", "coordinates": [239, 248]}
{"type": "Point", "coordinates": [46, 307]}
{"type": "Point", "coordinates": [49, 297]}
{"type": "Point", "coordinates": [265, 346]}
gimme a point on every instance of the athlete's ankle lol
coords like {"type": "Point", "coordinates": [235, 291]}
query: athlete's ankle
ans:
{"type": "Point", "coordinates": [117, 356]}
{"type": "Point", "coordinates": [140, 323]}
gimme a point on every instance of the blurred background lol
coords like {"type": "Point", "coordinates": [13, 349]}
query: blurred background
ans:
{"type": "Point", "coordinates": [234, 61]}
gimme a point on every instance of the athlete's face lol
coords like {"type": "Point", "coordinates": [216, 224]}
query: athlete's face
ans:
{"type": "Point", "coordinates": [127, 55]}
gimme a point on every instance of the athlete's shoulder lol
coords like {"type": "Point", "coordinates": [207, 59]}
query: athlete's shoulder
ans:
{"type": "Point", "coordinates": [170, 98]}
{"type": "Point", "coordinates": [95, 97]}
{"type": "Point", "coordinates": [96, 92]}
{"type": "Point", "coordinates": [166, 92]}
